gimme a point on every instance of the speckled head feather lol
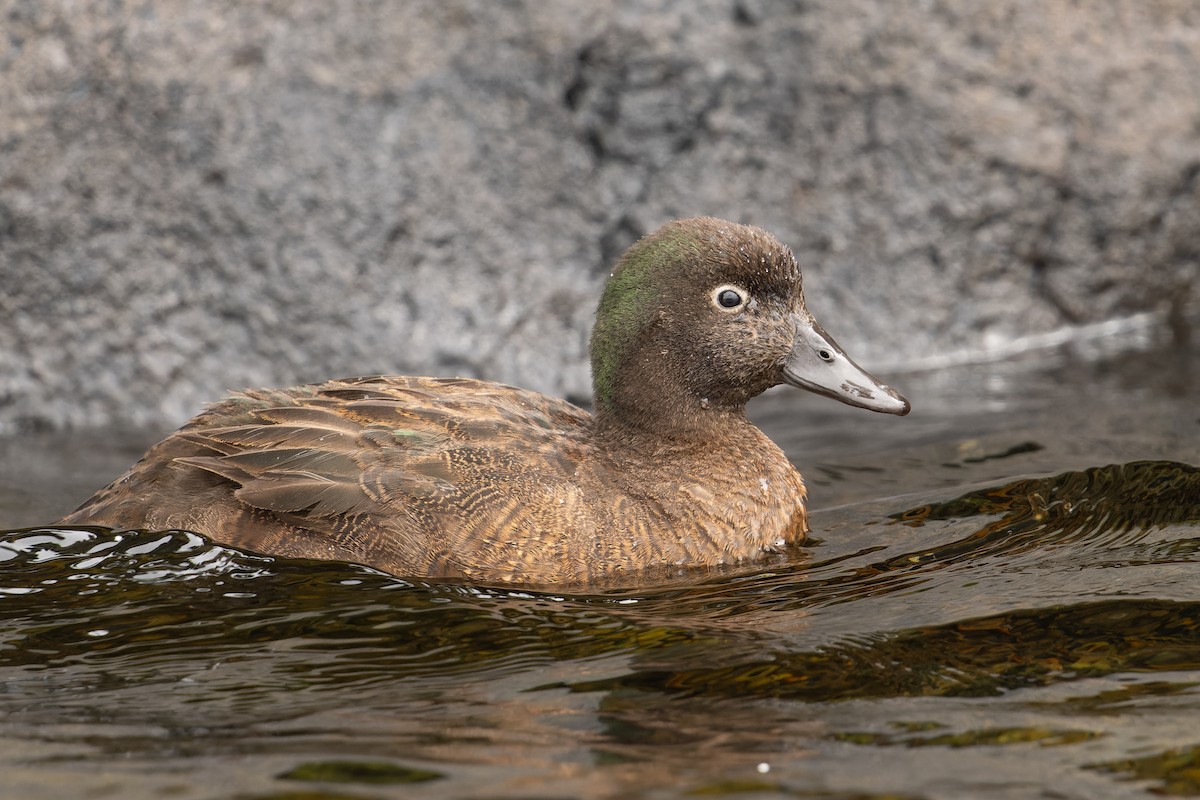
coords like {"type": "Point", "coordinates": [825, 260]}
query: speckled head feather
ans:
{"type": "Point", "coordinates": [657, 320]}
{"type": "Point", "coordinates": [463, 479]}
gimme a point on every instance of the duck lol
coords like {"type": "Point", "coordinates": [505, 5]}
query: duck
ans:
{"type": "Point", "coordinates": [455, 479]}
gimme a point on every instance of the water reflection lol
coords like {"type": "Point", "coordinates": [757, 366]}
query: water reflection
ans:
{"type": "Point", "coordinates": [982, 590]}
{"type": "Point", "coordinates": [1176, 771]}
{"type": "Point", "coordinates": [1104, 504]}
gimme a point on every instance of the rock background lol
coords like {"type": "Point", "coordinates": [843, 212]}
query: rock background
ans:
{"type": "Point", "coordinates": [196, 196]}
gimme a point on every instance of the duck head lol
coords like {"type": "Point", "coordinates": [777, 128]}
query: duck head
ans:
{"type": "Point", "coordinates": [702, 315]}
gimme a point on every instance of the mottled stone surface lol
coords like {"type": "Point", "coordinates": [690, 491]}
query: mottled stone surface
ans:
{"type": "Point", "coordinates": [200, 196]}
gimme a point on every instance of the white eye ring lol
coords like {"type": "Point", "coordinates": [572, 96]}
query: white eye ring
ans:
{"type": "Point", "coordinates": [729, 298]}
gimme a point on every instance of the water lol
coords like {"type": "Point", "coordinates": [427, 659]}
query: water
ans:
{"type": "Point", "coordinates": [1002, 600]}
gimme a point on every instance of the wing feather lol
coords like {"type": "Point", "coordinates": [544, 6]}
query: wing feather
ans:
{"type": "Point", "coordinates": [386, 446]}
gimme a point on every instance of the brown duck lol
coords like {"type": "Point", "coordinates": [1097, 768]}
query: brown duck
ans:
{"type": "Point", "coordinates": [466, 479]}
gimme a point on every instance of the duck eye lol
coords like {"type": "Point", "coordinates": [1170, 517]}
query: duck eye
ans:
{"type": "Point", "coordinates": [825, 355]}
{"type": "Point", "coordinates": [729, 298]}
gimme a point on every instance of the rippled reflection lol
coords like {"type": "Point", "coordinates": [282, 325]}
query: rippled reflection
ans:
{"type": "Point", "coordinates": [1103, 504]}
{"type": "Point", "coordinates": [1063, 606]}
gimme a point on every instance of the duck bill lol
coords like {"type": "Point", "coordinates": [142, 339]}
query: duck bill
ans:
{"type": "Point", "coordinates": [819, 365]}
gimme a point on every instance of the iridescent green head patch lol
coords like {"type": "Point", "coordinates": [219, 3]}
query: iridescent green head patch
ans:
{"type": "Point", "coordinates": [630, 301]}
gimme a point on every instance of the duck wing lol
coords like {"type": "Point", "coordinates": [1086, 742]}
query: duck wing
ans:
{"type": "Point", "coordinates": [388, 464]}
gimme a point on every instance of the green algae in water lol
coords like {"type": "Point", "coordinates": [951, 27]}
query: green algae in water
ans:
{"type": "Point", "coordinates": [732, 787]}
{"type": "Point", "coordinates": [1113, 701]}
{"type": "Point", "coordinates": [917, 727]}
{"type": "Point", "coordinates": [973, 658]}
{"type": "Point", "coordinates": [738, 788]}
{"type": "Point", "coordinates": [1177, 771]}
{"type": "Point", "coordinates": [986, 737]}
{"type": "Point", "coordinates": [365, 772]}
{"type": "Point", "coordinates": [304, 795]}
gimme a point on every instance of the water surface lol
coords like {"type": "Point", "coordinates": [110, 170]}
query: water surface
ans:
{"type": "Point", "coordinates": [1001, 600]}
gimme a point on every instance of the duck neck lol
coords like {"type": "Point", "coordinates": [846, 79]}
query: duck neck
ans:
{"type": "Point", "coordinates": [654, 413]}
{"type": "Point", "coordinates": [690, 421]}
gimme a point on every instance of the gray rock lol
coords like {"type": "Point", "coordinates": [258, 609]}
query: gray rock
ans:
{"type": "Point", "coordinates": [197, 197]}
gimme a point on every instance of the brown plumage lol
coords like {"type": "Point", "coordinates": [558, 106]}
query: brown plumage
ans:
{"type": "Point", "coordinates": [441, 478]}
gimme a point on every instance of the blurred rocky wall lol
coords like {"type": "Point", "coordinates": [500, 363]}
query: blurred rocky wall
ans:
{"type": "Point", "coordinates": [196, 196]}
